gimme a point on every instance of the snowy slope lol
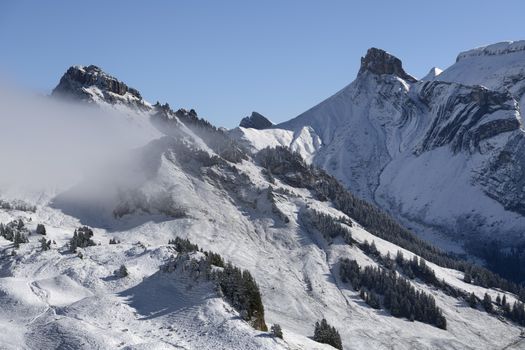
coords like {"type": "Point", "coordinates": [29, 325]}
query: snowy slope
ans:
{"type": "Point", "coordinates": [441, 155]}
{"type": "Point", "coordinates": [55, 299]}
{"type": "Point", "coordinates": [498, 66]}
{"type": "Point", "coordinates": [304, 141]}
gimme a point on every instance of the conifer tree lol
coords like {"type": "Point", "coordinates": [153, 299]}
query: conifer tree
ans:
{"type": "Point", "coordinates": [472, 300]}
{"type": "Point", "coordinates": [44, 245]}
{"type": "Point", "coordinates": [487, 303]}
{"type": "Point", "coordinates": [277, 331]}
{"type": "Point", "coordinates": [326, 334]}
{"type": "Point", "coordinates": [41, 229]}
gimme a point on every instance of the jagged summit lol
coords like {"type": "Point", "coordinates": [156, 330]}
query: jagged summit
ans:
{"type": "Point", "coordinates": [256, 121]}
{"type": "Point", "coordinates": [86, 82]}
{"type": "Point", "coordinates": [381, 62]}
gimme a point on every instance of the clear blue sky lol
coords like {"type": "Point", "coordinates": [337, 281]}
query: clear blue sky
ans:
{"type": "Point", "coordinates": [227, 58]}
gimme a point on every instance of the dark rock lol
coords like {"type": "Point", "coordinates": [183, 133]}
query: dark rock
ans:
{"type": "Point", "coordinates": [256, 121]}
{"type": "Point", "coordinates": [77, 78]}
{"type": "Point", "coordinates": [379, 61]}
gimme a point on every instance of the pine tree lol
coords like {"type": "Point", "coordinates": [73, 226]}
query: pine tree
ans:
{"type": "Point", "coordinates": [19, 238]}
{"type": "Point", "coordinates": [41, 229]}
{"type": "Point", "coordinates": [44, 245]}
{"type": "Point", "coordinates": [472, 300]}
{"type": "Point", "coordinates": [326, 334]}
{"type": "Point", "coordinates": [122, 271]}
{"type": "Point", "coordinates": [277, 331]}
{"type": "Point", "coordinates": [487, 303]}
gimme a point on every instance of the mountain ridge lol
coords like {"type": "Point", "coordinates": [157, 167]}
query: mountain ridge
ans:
{"type": "Point", "coordinates": [267, 211]}
{"type": "Point", "coordinates": [381, 130]}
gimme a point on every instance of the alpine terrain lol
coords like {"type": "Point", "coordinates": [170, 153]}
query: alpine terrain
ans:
{"type": "Point", "coordinates": [270, 236]}
{"type": "Point", "coordinates": [445, 155]}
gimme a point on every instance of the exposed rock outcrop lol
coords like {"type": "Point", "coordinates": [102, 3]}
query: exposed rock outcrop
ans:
{"type": "Point", "coordinates": [79, 82]}
{"type": "Point", "coordinates": [256, 121]}
{"type": "Point", "coordinates": [381, 62]}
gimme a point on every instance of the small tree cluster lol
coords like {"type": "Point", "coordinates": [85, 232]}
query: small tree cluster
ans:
{"type": "Point", "coordinates": [81, 238]}
{"type": "Point", "coordinates": [14, 231]}
{"type": "Point", "coordinates": [114, 241]}
{"type": "Point", "coordinates": [417, 268]}
{"type": "Point", "coordinates": [326, 334]}
{"type": "Point", "coordinates": [44, 245]}
{"type": "Point", "coordinates": [17, 205]}
{"type": "Point", "coordinates": [327, 225]}
{"type": "Point", "coordinates": [370, 249]}
{"type": "Point", "coordinates": [183, 245]}
{"type": "Point", "coordinates": [242, 292]}
{"type": "Point", "coordinates": [517, 313]}
{"type": "Point", "coordinates": [214, 259]}
{"type": "Point", "coordinates": [399, 296]}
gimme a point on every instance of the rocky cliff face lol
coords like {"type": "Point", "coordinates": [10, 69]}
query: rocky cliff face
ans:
{"type": "Point", "coordinates": [464, 115]}
{"type": "Point", "coordinates": [256, 121]}
{"type": "Point", "coordinates": [91, 84]}
{"type": "Point", "coordinates": [381, 62]}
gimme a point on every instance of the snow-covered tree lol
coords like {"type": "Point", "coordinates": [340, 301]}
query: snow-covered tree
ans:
{"type": "Point", "coordinates": [326, 334]}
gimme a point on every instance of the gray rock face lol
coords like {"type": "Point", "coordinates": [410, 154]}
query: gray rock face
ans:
{"type": "Point", "coordinates": [256, 121]}
{"type": "Point", "coordinates": [464, 115]}
{"type": "Point", "coordinates": [502, 177]}
{"type": "Point", "coordinates": [77, 78]}
{"type": "Point", "coordinates": [381, 62]}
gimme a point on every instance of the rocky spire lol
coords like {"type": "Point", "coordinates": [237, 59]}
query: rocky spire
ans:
{"type": "Point", "coordinates": [379, 61]}
{"type": "Point", "coordinates": [256, 121]}
{"type": "Point", "coordinates": [77, 78]}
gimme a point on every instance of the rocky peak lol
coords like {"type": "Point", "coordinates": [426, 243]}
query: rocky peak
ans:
{"type": "Point", "coordinates": [379, 61]}
{"type": "Point", "coordinates": [77, 79]}
{"type": "Point", "coordinates": [256, 121]}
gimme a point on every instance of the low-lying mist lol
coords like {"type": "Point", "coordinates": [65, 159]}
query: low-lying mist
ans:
{"type": "Point", "coordinates": [48, 144]}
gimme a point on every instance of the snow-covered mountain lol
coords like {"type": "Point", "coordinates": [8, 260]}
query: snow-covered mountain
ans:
{"type": "Point", "coordinates": [267, 211]}
{"type": "Point", "coordinates": [445, 154]}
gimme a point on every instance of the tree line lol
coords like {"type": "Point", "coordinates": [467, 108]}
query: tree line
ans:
{"type": "Point", "coordinates": [382, 288]}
